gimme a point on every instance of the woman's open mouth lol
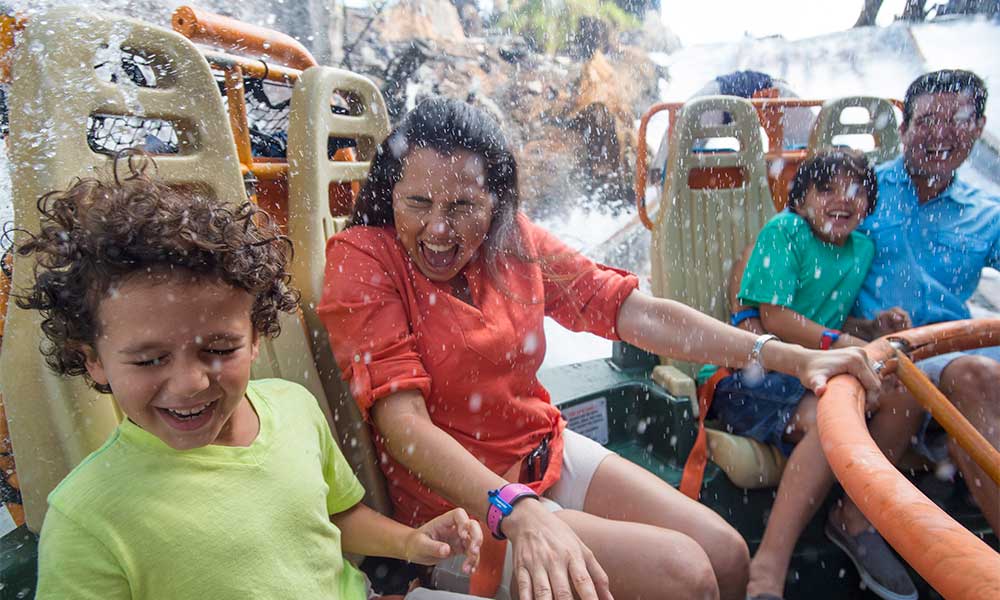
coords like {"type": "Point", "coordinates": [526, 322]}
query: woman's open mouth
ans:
{"type": "Point", "coordinates": [439, 257]}
{"type": "Point", "coordinates": [188, 419]}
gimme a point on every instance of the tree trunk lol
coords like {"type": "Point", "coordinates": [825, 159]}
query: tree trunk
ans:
{"type": "Point", "coordinates": [868, 13]}
{"type": "Point", "coordinates": [914, 11]}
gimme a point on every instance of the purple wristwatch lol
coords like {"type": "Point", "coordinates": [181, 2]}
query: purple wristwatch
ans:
{"type": "Point", "coordinates": [502, 502]}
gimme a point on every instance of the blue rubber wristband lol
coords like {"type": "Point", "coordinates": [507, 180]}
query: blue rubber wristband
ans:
{"type": "Point", "coordinates": [743, 315]}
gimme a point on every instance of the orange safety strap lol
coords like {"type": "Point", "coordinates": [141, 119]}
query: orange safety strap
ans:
{"type": "Point", "coordinates": [694, 468]}
{"type": "Point", "coordinates": [485, 580]}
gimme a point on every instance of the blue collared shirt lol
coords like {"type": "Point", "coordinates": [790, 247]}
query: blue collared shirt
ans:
{"type": "Point", "coordinates": [929, 257]}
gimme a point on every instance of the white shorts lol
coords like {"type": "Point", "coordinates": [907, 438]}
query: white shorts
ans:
{"type": "Point", "coordinates": [581, 457]}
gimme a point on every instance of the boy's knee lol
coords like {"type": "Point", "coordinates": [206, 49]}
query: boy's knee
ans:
{"type": "Point", "coordinates": [970, 378]}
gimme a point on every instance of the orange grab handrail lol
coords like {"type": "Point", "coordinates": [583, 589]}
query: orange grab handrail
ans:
{"type": "Point", "coordinates": [253, 68]}
{"type": "Point", "coordinates": [953, 560]}
{"type": "Point", "coordinates": [236, 36]}
{"type": "Point", "coordinates": [763, 105]}
{"type": "Point", "coordinates": [945, 413]}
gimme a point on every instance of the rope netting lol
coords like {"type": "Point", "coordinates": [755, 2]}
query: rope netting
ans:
{"type": "Point", "coordinates": [267, 106]}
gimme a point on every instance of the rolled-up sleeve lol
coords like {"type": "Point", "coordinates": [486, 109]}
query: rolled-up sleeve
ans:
{"type": "Point", "coordinates": [580, 294]}
{"type": "Point", "coordinates": [365, 315]}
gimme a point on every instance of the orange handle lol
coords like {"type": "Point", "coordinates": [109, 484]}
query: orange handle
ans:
{"type": "Point", "coordinates": [945, 413]}
{"type": "Point", "coordinates": [951, 558]}
{"type": "Point", "coordinates": [236, 36]}
{"type": "Point", "coordinates": [641, 161]}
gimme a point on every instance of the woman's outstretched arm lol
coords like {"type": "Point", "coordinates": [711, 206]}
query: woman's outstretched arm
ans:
{"type": "Point", "coordinates": [672, 329]}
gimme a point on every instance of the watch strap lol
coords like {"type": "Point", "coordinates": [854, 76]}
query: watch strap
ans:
{"type": "Point", "coordinates": [502, 502]}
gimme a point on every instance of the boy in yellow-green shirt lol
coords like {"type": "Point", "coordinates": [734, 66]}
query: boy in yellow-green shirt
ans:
{"type": "Point", "coordinates": [213, 486]}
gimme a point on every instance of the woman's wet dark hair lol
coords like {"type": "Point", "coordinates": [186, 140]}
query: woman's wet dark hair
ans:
{"type": "Point", "coordinates": [445, 125]}
{"type": "Point", "coordinates": [822, 168]}
{"type": "Point", "coordinates": [97, 234]}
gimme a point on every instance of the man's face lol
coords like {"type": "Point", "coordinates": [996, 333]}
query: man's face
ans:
{"type": "Point", "coordinates": [940, 134]}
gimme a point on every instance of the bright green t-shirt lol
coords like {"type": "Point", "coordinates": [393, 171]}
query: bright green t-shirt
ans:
{"type": "Point", "coordinates": [791, 267]}
{"type": "Point", "coordinates": [140, 520]}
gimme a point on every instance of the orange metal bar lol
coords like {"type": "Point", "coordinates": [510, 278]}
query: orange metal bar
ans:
{"type": "Point", "coordinates": [266, 171]}
{"type": "Point", "coordinates": [9, 467]}
{"type": "Point", "coordinates": [209, 28]}
{"type": "Point", "coordinates": [10, 25]}
{"type": "Point", "coordinates": [5, 283]}
{"type": "Point", "coordinates": [256, 69]}
{"type": "Point", "coordinates": [770, 115]}
{"type": "Point", "coordinates": [945, 413]}
{"type": "Point", "coordinates": [769, 110]}
{"type": "Point", "coordinates": [238, 115]}
{"type": "Point", "coordinates": [952, 559]}
{"type": "Point", "coordinates": [641, 160]}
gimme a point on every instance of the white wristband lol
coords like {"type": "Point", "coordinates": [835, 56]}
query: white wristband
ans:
{"type": "Point", "coordinates": [758, 345]}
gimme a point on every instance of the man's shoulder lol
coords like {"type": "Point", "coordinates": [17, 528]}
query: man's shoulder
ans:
{"type": "Point", "coordinates": [981, 198]}
{"type": "Point", "coordinates": [891, 171]}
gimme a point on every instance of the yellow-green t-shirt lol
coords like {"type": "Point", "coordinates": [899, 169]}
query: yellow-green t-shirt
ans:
{"type": "Point", "coordinates": [140, 520]}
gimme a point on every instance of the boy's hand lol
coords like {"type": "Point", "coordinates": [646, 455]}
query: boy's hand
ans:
{"type": "Point", "coordinates": [890, 321]}
{"type": "Point", "coordinates": [451, 533]}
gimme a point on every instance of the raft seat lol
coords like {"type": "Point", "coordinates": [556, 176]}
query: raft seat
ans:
{"type": "Point", "coordinates": [700, 232]}
{"type": "Point", "coordinates": [55, 422]}
{"type": "Point", "coordinates": [311, 175]}
{"type": "Point", "coordinates": [835, 127]}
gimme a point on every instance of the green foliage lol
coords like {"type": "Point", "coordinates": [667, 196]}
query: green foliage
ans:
{"type": "Point", "coordinates": [552, 25]}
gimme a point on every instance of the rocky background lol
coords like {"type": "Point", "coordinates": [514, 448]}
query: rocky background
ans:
{"type": "Point", "coordinates": [568, 92]}
{"type": "Point", "coordinates": [567, 80]}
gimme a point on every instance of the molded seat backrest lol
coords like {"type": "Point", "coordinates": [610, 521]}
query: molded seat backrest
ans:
{"type": "Point", "coordinates": [310, 225]}
{"type": "Point", "coordinates": [699, 233]}
{"type": "Point", "coordinates": [881, 125]}
{"type": "Point", "coordinates": [55, 422]}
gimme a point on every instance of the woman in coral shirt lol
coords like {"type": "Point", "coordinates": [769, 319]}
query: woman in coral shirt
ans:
{"type": "Point", "coordinates": [434, 301]}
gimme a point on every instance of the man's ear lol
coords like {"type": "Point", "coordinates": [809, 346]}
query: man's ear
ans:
{"type": "Point", "coordinates": [980, 125]}
{"type": "Point", "coordinates": [93, 363]}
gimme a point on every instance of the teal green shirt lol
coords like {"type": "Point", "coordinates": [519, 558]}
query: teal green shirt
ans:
{"type": "Point", "coordinates": [793, 268]}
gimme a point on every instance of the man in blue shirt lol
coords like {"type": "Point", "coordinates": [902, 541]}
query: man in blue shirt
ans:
{"type": "Point", "coordinates": [933, 235]}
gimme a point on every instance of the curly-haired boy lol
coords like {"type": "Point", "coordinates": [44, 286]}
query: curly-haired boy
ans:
{"type": "Point", "coordinates": [213, 486]}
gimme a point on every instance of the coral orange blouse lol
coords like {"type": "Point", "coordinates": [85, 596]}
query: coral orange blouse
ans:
{"type": "Point", "coordinates": [392, 329]}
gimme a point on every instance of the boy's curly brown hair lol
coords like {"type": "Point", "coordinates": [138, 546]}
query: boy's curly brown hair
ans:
{"type": "Point", "coordinates": [96, 234]}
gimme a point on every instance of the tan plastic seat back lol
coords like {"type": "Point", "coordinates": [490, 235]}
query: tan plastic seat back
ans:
{"type": "Point", "coordinates": [699, 233]}
{"type": "Point", "coordinates": [311, 125]}
{"type": "Point", "coordinates": [881, 125]}
{"type": "Point", "coordinates": [55, 422]}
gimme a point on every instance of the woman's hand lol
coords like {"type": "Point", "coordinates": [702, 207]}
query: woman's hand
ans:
{"type": "Point", "coordinates": [816, 367]}
{"type": "Point", "coordinates": [550, 560]}
{"type": "Point", "coordinates": [451, 533]}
